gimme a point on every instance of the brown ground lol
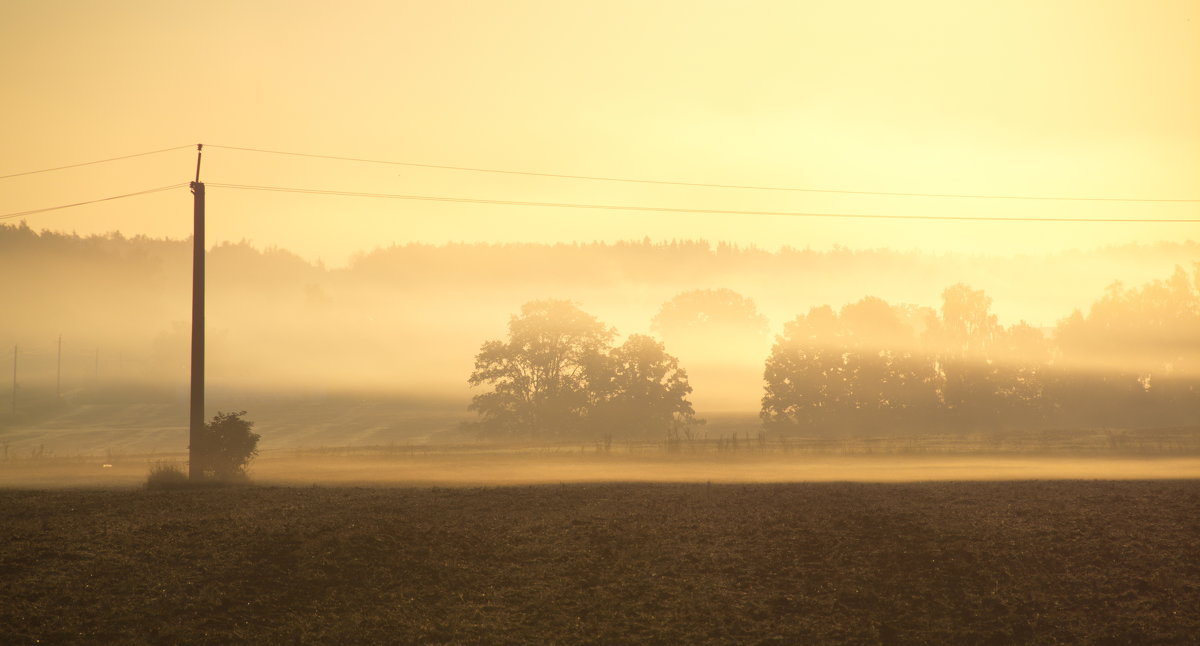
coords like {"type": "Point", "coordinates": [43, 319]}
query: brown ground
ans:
{"type": "Point", "coordinates": [948, 562]}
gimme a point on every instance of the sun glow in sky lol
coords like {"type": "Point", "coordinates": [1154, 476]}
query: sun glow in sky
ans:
{"type": "Point", "coordinates": [1064, 98]}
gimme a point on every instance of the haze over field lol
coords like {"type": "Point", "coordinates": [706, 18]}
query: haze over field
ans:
{"type": "Point", "coordinates": [380, 352]}
{"type": "Point", "coordinates": [600, 321]}
{"type": "Point", "coordinates": [692, 178]}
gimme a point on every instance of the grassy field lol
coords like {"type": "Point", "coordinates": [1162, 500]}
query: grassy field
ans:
{"type": "Point", "coordinates": [942, 562]}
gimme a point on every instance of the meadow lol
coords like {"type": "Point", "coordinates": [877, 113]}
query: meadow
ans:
{"type": "Point", "coordinates": [1037, 562]}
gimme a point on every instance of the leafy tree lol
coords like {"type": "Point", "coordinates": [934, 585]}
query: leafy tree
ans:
{"type": "Point", "coordinates": [887, 373]}
{"type": "Point", "coordinates": [557, 376]}
{"type": "Point", "coordinates": [1022, 358]}
{"type": "Point", "coordinates": [642, 390]}
{"type": "Point", "coordinates": [861, 369]}
{"type": "Point", "coordinates": [805, 373]}
{"type": "Point", "coordinates": [1152, 330]}
{"type": "Point", "coordinates": [963, 338]}
{"type": "Point", "coordinates": [967, 326]}
{"type": "Point", "coordinates": [1134, 358]}
{"type": "Point", "coordinates": [722, 338]}
{"type": "Point", "coordinates": [227, 446]}
{"type": "Point", "coordinates": [704, 315]}
{"type": "Point", "coordinates": [539, 377]}
{"type": "Point", "coordinates": [991, 376]}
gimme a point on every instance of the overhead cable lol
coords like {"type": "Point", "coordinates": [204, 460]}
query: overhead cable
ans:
{"type": "Point", "coordinates": [98, 161]}
{"type": "Point", "coordinates": [9, 216]}
{"type": "Point", "coordinates": [710, 185]}
{"type": "Point", "coordinates": [665, 209]}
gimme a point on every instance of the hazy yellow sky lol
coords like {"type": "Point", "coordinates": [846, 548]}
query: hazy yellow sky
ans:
{"type": "Point", "coordinates": [1047, 97]}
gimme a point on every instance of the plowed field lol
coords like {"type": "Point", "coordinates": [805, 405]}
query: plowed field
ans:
{"type": "Point", "coordinates": [1036, 562]}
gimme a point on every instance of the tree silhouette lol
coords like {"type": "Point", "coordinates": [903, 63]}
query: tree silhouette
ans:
{"type": "Point", "coordinates": [1134, 358]}
{"type": "Point", "coordinates": [227, 445]}
{"type": "Point", "coordinates": [539, 376]}
{"type": "Point", "coordinates": [805, 373]}
{"type": "Point", "coordinates": [558, 377]}
{"type": "Point", "coordinates": [642, 390]}
{"type": "Point", "coordinates": [860, 370]}
{"type": "Point", "coordinates": [963, 339]}
{"type": "Point", "coordinates": [722, 338]}
{"type": "Point", "coordinates": [703, 315]}
{"type": "Point", "coordinates": [1132, 361]}
{"type": "Point", "coordinates": [967, 325]}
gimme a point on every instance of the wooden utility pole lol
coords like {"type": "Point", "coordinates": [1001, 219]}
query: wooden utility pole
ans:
{"type": "Point", "coordinates": [196, 460]}
{"type": "Point", "coordinates": [58, 375]}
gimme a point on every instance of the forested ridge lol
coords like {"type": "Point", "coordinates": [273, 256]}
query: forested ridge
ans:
{"type": "Point", "coordinates": [1038, 288]}
{"type": "Point", "coordinates": [836, 340]}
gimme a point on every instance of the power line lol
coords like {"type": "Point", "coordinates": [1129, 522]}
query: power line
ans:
{"type": "Point", "coordinates": [709, 185]}
{"type": "Point", "coordinates": [664, 209]}
{"type": "Point", "coordinates": [9, 216]}
{"type": "Point", "coordinates": [98, 161]}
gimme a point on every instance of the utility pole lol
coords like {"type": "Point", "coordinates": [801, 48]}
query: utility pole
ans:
{"type": "Point", "coordinates": [58, 377]}
{"type": "Point", "coordinates": [196, 460]}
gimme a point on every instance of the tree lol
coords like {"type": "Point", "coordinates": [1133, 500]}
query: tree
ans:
{"type": "Point", "coordinates": [1134, 359]}
{"type": "Point", "coordinates": [557, 376]}
{"type": "Point", "coordinates": [1022, 359]}
{"type": "Point", "coordinates": [967, 326]}
{"type": "Point", "coordinates": [539, 377]}
{"type": "Point", "coordinates": [642, 390]}
{"type": "Point", "coordinates": [228, 445]}
{"type": "Point", "coordinates": [861, 369]}
{"type": "Point", "coordinates": [701, 316]}
{"type": "Point", "coordinates": [722, 337]}
{"type": "Point", "coordinates": [805, 373]}
{"type": "Point", "coordinates": [964, 339]}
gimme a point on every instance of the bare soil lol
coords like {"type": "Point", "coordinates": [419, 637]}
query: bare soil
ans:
{"type": "Point", "coordinates": [1036, 562]}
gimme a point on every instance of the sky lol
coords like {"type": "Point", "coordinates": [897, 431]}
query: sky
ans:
{"type": "Point", "coordinates": [1062, 98]}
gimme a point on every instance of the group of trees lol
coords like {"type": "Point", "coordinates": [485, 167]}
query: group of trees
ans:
{"type": "Point", "coordinates": [1135, 355]}
{"type": "Point", "coordinates": [558, 376]}
{"type": "Point", "coordinates": [1133, 360]}
{"type": "Point", "coordinates": [874, 364]}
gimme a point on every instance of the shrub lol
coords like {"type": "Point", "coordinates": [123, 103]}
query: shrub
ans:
{"type": "Point", "coordinates": [227, 446]}
{"type": "Point", "coordinates": [166, 475]}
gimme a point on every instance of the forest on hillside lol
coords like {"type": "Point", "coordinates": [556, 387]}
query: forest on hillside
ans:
{"type": "Point", "coordinates": [411, 319]}
{"type": "Point", "coordinates": [871, 368]}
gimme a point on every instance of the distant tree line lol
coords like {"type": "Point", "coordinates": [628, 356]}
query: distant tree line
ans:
{"type": "Point", "coordinates": [148, 271]}
{"type": "Point", "coordinates": [1132, 360]}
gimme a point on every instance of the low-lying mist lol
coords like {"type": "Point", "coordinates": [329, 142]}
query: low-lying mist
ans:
{"type": "Point", "coordinates": [793, 343]}
{"type": "Point", "coordinates": [521, 466]}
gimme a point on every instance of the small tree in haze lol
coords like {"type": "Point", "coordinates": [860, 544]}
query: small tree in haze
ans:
{"type": "Point", "coordinates": [557, 376]}
{"type": "Point", "coordinates": [641, 389]}
{"type": "Point", "coordinates": [539, 376]}
{"type": "Point", "coordinates": [722, 338]}
{"type": "Point", "coordinates": [696, 320]}
{"type": "Point", "coordinates": [860, 369]}
{"type": "Point", "coordinates": [228, 444]}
